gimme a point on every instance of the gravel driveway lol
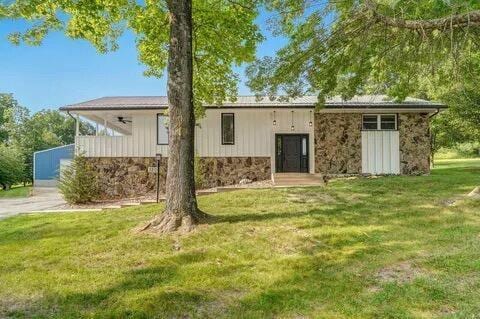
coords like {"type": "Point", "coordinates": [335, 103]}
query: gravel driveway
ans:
{"type": "Point", "coordinates": [43, 198]}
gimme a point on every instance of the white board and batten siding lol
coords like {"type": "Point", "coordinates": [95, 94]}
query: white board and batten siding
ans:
{"type": "Point", "coordinates": [380, 152]}
{"type": "Point", "coordinates": [105, 146]}
{"type": "Point", "coordinates": [254, 135]}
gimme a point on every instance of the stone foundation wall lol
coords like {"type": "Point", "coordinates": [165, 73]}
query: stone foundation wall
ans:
{"type": "Point", "coordinates": [122, 177]}
{"type": "Point", "coordinates": [128, 176]}
{"type": "Point", "coordinates": [414, 143]}
{"type": "Point", "coordinates": [222, 171]}
{"type": "Point", "coordinates": [338, 143]}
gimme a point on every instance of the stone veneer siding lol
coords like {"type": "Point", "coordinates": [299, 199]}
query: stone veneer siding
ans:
{"type": "Point", "coordinates": [414, 143]}
{"type": "Point", "coordinates": [221, 171]}
{"type": "Point", "coordinates": [338, 143]}
{"type": "Point", "coordinates": [129, 176]}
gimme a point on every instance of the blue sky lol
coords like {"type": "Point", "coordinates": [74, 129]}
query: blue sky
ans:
{"type": "Point", "coordinates": [63, 71]}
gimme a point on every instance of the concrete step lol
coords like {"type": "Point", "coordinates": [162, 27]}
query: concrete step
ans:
{"type": "Point", "coordinates": [297, 179]}
{"type": "Point", "coordinates": [296, 175]}
{"type": "Point", "coordinates": [297, 185]}
{"type": "Point", "coordinates": [317, 180]}
{"type": "Point", "coordinates": [300, 181]}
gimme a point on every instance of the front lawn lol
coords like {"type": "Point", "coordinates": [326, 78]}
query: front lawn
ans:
{"type": "Point", "coordinates": [396, 247]}
{"type": "Point", "coordinates": [16, 192]}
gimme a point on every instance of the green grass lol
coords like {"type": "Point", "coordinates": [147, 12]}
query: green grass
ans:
{"type": "Point", "coordinates": [448, 153]}
{"type": "Point", "coordinates": [16, 192]}
{"type": "Point", "coordinates": [389, 247]}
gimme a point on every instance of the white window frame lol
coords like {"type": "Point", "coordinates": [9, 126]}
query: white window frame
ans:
{"type": "Point", "coordinates": [379, 122]}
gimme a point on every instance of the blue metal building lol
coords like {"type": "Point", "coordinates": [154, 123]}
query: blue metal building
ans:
{"type": "Point", "coordinates": [46, 164]}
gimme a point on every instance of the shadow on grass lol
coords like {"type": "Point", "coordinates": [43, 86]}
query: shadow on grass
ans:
{"type": "Point", "coordinates": [329, 274]}
{"type": "Point", "coordinates": [151, 296]}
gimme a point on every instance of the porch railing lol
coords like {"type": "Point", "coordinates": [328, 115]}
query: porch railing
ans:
{"type": "Point", "coordinates": [105, 146]}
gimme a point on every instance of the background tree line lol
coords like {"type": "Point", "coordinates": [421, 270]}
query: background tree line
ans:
{"type": "Point", "coordinates": [23, 133]}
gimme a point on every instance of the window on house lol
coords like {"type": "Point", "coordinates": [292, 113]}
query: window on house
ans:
{"type": "Point", "coordinates": [228, 129]}
{"type": "Point", "coordinates": [370, 122]}
{"type": "Point", "coordinates": [379, 122]}
{"type": "Point", "coordinates": [162, 129]}
{"type": "Point", "coordinates": [388, 122]}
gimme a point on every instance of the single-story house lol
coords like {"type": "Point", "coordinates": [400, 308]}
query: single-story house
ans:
{"type": "Point", "coordinates": [257, 138]}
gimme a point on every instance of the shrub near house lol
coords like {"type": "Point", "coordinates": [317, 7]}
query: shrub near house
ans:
{"type": "Point", "coordinates": [78, 182]}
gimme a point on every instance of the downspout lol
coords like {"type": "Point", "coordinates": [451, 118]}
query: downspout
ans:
{"type": "Point", "coordinates": [68, 112]}
{"type": "Point", "coordinates": [435, 113]}
{"type": "Point", "coordinates": [77, 123]}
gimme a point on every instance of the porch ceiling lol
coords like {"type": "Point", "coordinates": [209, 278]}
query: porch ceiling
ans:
{"type": "Point", "coordinates": [112, 119]}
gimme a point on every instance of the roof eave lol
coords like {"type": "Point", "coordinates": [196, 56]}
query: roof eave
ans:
{"type": "Point", "coordinates": [327, 106]}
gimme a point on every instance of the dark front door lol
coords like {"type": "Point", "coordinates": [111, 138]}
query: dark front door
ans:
{"type": "Point", "coordinates": [292, 153]}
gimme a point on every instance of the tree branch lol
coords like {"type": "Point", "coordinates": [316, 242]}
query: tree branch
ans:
{"type": "Point", "coordinates": [451, 22]}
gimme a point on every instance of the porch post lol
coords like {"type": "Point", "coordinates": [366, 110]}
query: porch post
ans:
{"type": "Point", "coordinates": [105, 126]}
{"type": "Point", "coordinates": [77, 126]}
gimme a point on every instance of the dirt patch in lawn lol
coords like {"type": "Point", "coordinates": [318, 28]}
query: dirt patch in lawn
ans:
{"type": "Point", "coordinates": [9, 306]}
{"type": "Point", "coordinates": [446, 311]}
{"type": "Point", "coordinates": [400, 273]}
{"type": "Point", "coordinates": [447, 202]}
{"type": "Point", "coordinates": [403, 272]}
{"type": "Point", "coordinates": [310, 197]}
{"type": "Point", "coordinates": [218, 306]}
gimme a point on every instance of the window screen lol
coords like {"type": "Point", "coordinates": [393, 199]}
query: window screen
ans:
{"type": "Point", "coordinates": [370, 122]}
{"type": "Point", "coordinates": [162, 129]}
{"type": "Point", "coordinates": [228, 129]}
{"type": "Point", "coordinates": [379, 122]}
{"type": "Point", "coordinates": [387, 122]}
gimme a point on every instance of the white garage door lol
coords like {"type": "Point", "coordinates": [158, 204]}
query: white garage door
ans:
{"type": "Point", "coordinates": [380, 152]}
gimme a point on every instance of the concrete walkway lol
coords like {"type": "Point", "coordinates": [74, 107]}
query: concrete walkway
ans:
{"type": "Point", "coordinates": [43, 199]}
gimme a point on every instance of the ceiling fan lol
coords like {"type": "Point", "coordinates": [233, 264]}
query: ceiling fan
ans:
{"type": "Point", "coordinates": [121, 119]}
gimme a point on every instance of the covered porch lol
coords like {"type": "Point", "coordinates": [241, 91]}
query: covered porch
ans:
{"type": "Point", "coordinates": [112, 133]}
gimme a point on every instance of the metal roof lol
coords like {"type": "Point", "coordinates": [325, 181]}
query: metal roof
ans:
{"type": "Point", "coordinates": [160, 102]}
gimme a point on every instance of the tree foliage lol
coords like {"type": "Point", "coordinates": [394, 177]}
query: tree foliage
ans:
{"type": "Point", "coordinates": [352, 47]}
{"type": "Point", "coordinates": [78, 182]}
{"type": "Point", "coordinates": [12, 115]}
{"type": "Point", "coordinates": [11, 166]}
{"type": "Point", "coordinates": [224, 34]}
{"type": "Point", "coordinates": [31, 133]}
{"type": "Point", "coordinates": [461, 122]}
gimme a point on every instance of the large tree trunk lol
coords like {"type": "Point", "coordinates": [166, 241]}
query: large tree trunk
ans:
{"type": "Point", "coordinates": [181, 211]}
